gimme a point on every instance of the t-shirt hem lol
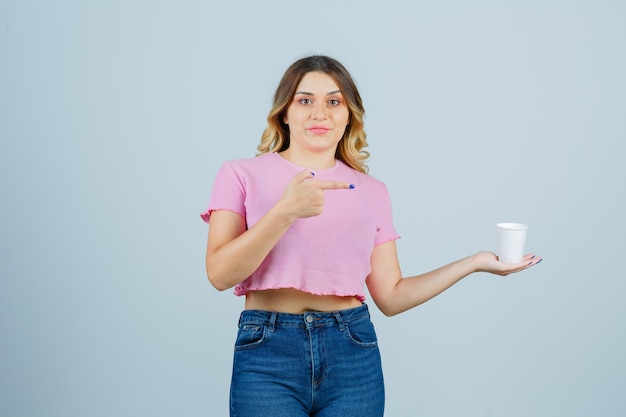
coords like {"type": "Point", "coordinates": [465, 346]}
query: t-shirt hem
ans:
{"type": "Point", "coordinates": [241, 291]}
{"type": "Point", "coordinates": [206, 215]}
{"type": "Point", "coordinates": [390, 239]}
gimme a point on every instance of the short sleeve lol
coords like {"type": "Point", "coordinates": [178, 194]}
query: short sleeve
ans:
{"type": "Point", "coordinates": [228, 192]}
{"type": "Point", "coordinates": [386, 231]}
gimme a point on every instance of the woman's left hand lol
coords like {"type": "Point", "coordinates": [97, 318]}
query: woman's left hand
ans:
{"type": "Point", "coordinates": [488, 262]}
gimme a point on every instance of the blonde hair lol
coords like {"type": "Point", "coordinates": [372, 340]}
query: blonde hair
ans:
{"type": "Point", "coordinates": [350, 150]}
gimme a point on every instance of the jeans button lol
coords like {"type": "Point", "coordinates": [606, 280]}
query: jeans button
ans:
{"type": "Point", "coordinates": [309, 319]}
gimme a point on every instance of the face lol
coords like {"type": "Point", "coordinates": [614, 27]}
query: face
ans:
{"type": "Point", "coordinates": [318, 115]}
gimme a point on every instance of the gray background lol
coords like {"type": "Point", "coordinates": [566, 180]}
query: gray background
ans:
{"type": "Point", "coordinates": [115, 116]}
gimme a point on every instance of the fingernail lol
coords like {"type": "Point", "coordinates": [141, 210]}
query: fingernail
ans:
{"type": "Point", "coordinates": [312, 173]}
{"type": "Point", "coordinates": [351, 186]}
{"type": "Point", "coordinates": [539, 261]}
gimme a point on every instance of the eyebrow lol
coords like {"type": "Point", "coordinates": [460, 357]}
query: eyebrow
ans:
{"type": "Point", "coordinates": [305, 93]}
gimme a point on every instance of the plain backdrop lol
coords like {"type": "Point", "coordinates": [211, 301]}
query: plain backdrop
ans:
{"type": "Point", "coordinates": [116, 115]}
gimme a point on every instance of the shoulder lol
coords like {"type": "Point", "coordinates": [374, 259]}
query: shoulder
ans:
{"type": "Point", "coordinates": [251, 162]}
{"type": "Point", "coordinates": [251, 165]}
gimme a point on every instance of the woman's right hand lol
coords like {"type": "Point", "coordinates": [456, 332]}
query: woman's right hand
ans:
{"type": "Point", "coordinates": [304, 197]}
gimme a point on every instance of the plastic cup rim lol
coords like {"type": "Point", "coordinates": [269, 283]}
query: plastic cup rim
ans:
{"type": "Point", "coordinates": [512, 226]}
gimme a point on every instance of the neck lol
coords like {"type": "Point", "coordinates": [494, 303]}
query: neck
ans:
{"type": "Point", "coordinates": [322, 160]}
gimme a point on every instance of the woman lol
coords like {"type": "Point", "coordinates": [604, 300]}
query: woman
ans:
{"type": "Point", "coordinates": [299, 230]}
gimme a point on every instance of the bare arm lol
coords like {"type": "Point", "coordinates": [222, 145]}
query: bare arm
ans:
{"type": "Point", "coordinates": [234, 253]}
{"type": "Point", "coordinates": [394, 294]}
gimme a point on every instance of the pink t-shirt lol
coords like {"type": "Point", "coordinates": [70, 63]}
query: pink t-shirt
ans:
{"type": "Point", "coordinates": [327, 254]}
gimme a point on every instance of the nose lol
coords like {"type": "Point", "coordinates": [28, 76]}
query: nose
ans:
{"type": "Point", "coordinates": [318, 111]}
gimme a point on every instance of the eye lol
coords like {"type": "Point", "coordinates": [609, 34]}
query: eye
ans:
{"type": "Point", "coordinates": [305, 101]}
{"type": "Point", "coordinates": [334, 102]}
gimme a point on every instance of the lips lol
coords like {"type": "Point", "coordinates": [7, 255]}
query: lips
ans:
{"type": "Point", "coordinates": [318, 130]}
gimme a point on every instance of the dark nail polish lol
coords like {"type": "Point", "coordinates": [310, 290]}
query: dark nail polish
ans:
{"type": "Point", "coordinates": [351, 186]}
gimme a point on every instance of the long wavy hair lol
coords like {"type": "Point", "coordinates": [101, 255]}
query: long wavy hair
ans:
{"type": "Point", "coordinates": [350, 150]}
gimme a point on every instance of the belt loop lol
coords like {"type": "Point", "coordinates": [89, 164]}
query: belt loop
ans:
{"type": "Point", "coordinates": [272, 321]}
{"type": "Point", "coordinates": [339, 319]}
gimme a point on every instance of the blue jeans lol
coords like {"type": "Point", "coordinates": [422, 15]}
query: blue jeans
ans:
{"type": "Point", "coordinates": [312, 364]}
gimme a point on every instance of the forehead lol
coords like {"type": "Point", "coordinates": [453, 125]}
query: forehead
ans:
{"type": "Point", "coordinates": [318, 83]}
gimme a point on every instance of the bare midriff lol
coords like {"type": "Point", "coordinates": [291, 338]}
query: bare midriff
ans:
{"type": "Point", "coordinates": [288, 300]}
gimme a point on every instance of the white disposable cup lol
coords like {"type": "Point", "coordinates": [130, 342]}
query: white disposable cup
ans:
{"type": "Point", "coordinates": [511, 242]}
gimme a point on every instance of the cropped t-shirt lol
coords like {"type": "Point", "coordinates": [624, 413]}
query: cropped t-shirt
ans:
{"type": "Point", "coordinates": [328, 254]}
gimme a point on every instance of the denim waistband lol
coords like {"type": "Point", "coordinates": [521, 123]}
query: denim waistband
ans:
{"type": "Point", "coordinates": [308, 319]}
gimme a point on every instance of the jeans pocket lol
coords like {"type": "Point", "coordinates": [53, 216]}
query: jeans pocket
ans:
{"type": "Point", "coordinates": [361, 333]}
{"type": "Point", "coordinates": [250, 336]}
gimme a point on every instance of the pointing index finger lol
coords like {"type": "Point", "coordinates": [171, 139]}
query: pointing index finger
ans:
{"type": "Point", "coordinates": [334, 185]}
